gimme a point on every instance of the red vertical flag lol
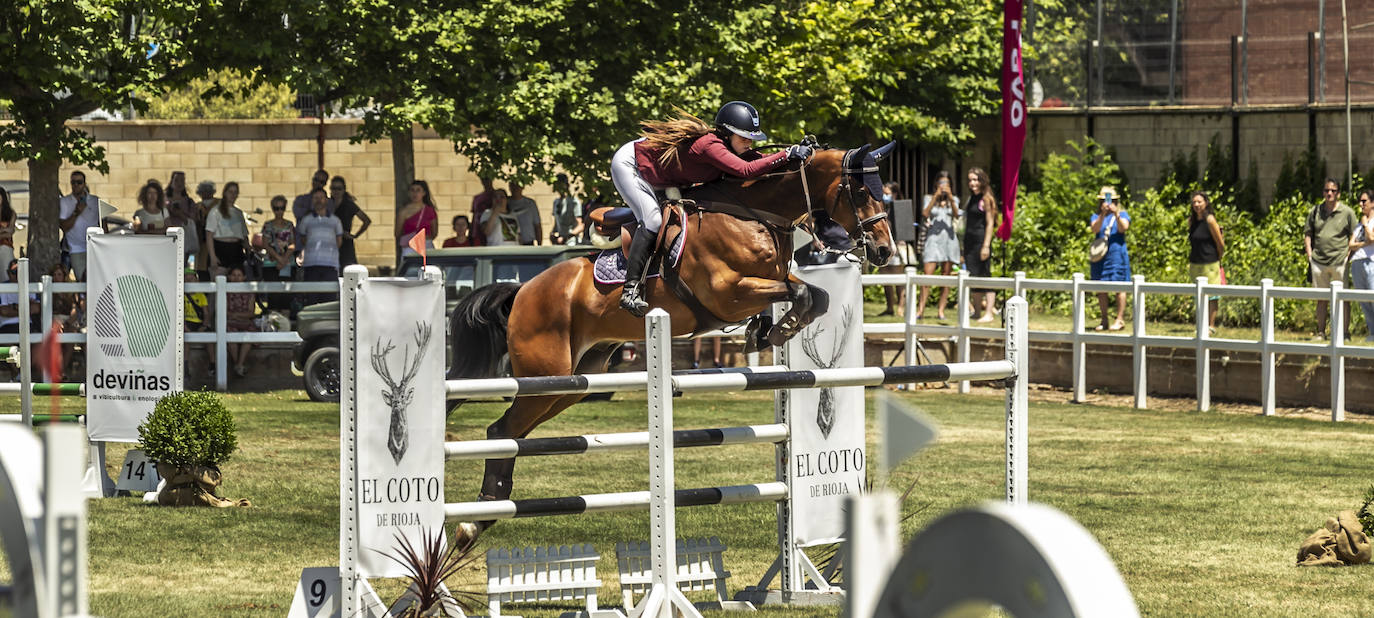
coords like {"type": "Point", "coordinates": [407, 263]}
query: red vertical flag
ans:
{"type": "Point", "coordinates": [1013, 113]}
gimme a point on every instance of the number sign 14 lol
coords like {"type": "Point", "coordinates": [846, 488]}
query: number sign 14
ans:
{"type": "Point", "coordinates": [138, 474]}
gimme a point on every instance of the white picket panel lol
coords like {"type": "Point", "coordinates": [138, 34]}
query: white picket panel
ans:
{"type": "Point", "coordinates": [700, 566]}
{"type": "Point", "coordinates": [540, 574]}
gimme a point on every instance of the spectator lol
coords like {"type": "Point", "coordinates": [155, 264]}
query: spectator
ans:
{"type": "Point", "coordinates": [197, 318]}
{"type": "Point", "coordinates": [1326, 239]}
{"type": "Point", "coordinates": [1362, 259]}
{"type": "Point", "coordinates": [77, 212]}
{"type": "Point", "coordinates": [715, 351]}
{"type": "Point", "coordinates": [323, 235]}
{"type": "Point", "coordinates": [1110, 223]}
{"type": "Point", "coordinates": [418, 214]}
{"type": "Point", "coordinates": [461, 233]}
{"type": "Point", "coordinates": [527, 213]}
{"type": "Point", "coordinates": [151, 216]}
{"type": "Point", "coordinates": [67, 311]}
{"type": "Point", "coordinates": [893, 294]}
{"type": "Point", "coordinates": [226, 231]}
{"type": "Point", "coordinates": [239, 309]}
{"type": "Point", "coordinates": [205, 189]}
{"type": "Point", "coordinates": [176, 192]}
{"type": "Point", "coordinates": [345, 208]}
{"type": "Point", "coordinates": [279, 242]}
{"type": "Point", "coordinates": [302, 207]}
{"type": "Point", "coordinates": [8, 222]}
{"type": "Point", "coordinates": [480, 203]}
{"type": "Point", "coordinates": [979, 222]}
{"type": "Point", "coordinates": [9, 313]}
{"type": "Point", "coordinates": [567, 214]}
{"type": "Point", "coordinates": [1206, 247]}
{"type": "Point", "coordinates": [941, 249]}
{"type": "Point", "coordinates": [499, 226]}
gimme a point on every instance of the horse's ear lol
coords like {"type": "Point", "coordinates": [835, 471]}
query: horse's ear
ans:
{"type": "Point", "coordinates": [883, 151]}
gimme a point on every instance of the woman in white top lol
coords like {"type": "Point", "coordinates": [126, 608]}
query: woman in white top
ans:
{"type": "Point", "coordinates": [226, 230]}
{"type": "Point", "coordinates": [151, 217]}
{"type": "Point", "coordinates": [1362, 258]}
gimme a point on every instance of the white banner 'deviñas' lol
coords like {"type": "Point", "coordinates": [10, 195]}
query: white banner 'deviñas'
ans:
{"type": "Point", "coordinates": [827, 443]}
{"type": "Point", "coordinates": [134, 321]}
{"type": "Point", "coordinates": [400, 418]}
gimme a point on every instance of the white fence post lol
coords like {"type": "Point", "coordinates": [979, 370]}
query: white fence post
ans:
{"type": "Point", "coordinates": [1080, 351]}
{"type": "Point", "coordinates": [1018, 279]}
{"type": "Point", "coordinates": [25, 347]}
{"type": "Point", "coordinates": [1139, 375]}
{"type": "Point", "coordinates": [964, 308]}
{"type": "Point", "coordinates": [45, 302]}
{"type": "Point", "coordinates": [909, 346]}
{"type": "Point", "coordinates": [1203, 354]}
{"type": "Point", "coordinates": [221, 328]}
{"type": "Point", "coordinates": [1015, 316]}
{"type": "Point", "coordinates": [1337, 359]}
{"type": "Point", "coordinates": [1266, 340]}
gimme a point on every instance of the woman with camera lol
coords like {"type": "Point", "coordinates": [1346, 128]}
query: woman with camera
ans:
{"type": "Point", "coordinates": [1110, 260]}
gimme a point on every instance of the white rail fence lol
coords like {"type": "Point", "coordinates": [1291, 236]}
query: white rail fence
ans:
{"type": "Point", "coordinates": [1336, 349]}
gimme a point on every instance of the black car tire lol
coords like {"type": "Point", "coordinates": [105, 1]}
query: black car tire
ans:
{"type": "Point", "coordinates": [323, 374]}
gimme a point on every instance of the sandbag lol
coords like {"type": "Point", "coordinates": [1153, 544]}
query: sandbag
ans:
{"type": "Point", "coordinates": [194, 486]}
{"type": "Point", "coordinates": [1341, 541]}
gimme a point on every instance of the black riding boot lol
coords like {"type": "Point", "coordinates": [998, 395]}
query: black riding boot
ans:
{"type": "Point", "coordinates": [631, 298]}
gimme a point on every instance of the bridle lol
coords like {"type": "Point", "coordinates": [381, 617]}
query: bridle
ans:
{"type": "Point", "coordinates": [862, 234]}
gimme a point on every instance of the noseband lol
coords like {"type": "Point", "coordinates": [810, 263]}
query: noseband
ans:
{"type": "Point", "coordinates": [862, 235]}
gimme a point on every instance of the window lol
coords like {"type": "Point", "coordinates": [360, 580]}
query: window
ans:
{"type": "Point", "coordinates": [517, 270]}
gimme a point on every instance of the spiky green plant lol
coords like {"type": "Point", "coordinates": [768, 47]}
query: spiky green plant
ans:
{"type": "Point", "coordinates": [428, 567]}
{"type": "Point", "coordinates": [1365, 514]}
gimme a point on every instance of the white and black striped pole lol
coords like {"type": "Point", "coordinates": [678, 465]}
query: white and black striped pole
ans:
{"type": "Point", "coordinates": [1018, 354]}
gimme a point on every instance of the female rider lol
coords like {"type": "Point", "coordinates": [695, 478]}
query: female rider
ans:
{"type": "Point", "coordinates": [679, 152]}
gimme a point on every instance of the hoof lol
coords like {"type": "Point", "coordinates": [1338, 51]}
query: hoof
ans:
{"type": "Point", "coordinates": [465, 535]}
{"type": "Point", "coordinates": [779, 336]}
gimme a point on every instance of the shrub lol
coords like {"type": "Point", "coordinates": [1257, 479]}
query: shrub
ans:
{"type": "Point", "coordinates": [189, 429]}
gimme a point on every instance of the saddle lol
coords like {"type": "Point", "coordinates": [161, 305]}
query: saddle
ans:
{"type": "Point", "coordinates": [619, 222]}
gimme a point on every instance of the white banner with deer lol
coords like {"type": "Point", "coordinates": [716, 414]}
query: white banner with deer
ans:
{"type": "Point", "coordinates": [827, 444]}
{"type": "Point", "coordinates": [400, 395]}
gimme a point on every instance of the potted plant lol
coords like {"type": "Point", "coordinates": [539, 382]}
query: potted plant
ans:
{"type": "Point", "coordinates": [190, 435]}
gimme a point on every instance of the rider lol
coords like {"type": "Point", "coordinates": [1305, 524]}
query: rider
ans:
{"type": "Point", "coordinates": [680, 152]}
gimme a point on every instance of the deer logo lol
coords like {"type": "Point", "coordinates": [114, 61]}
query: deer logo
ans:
{"type": "Point", "coordinates": [398, 393]}
{"type": "Point", "coordinates": [825, 410]}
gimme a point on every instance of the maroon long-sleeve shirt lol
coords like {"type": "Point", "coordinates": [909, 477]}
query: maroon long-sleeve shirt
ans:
{"type": "Point", "coordinates": [707, 159]}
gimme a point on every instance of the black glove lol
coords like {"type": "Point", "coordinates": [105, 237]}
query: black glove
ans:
{"type": "Point", "coordinates": [798, 152]}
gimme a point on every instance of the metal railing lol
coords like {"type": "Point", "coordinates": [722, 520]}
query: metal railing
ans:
{"type": "Point", "coordinates": [219, 290]}
{"type": "Point", "coordinates": [1335, 349]}
{"type": "Point", "coordinates": [961, 333]}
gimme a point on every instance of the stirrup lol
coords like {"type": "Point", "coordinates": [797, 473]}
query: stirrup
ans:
{"type": "Point", "coordinates": [632, 301]}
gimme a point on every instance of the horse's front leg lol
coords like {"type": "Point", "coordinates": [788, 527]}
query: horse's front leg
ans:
{"type": "Point", "coordinates": [808, 303]}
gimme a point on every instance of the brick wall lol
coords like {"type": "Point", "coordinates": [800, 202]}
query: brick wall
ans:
{"type": "Point", "coordinates": [277, 157]}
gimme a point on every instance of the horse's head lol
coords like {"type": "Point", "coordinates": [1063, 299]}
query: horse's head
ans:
{"type": "Point", "coordinates": [853, 201]}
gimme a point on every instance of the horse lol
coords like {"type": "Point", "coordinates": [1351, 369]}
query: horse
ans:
{"type": "Point", "coordinates": [733, 266]}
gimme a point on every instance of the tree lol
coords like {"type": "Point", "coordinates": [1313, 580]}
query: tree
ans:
{"type": "Point", "coordinates": [225, 93]}
{"type": "Point", "coordinates": [528, 88]}
{"type": "Point", "coordinates": [64, 59]}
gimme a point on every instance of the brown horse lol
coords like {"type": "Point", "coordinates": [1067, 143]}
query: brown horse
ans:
{"type": "Point", "coordinates": [731, 268]}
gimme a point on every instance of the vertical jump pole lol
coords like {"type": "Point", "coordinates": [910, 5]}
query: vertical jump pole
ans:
{"type": "Point", "coordinates": [664, 599]}
{"type": "Point", "coordinates": [1018, 353]}
{"type": "Point", "coordinates": [348, 447]}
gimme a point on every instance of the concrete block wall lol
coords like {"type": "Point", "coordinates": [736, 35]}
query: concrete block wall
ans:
{"type": "Point", "coordinates": [278, 157]}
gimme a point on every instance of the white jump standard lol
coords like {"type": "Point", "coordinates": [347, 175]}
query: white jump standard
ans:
{"type": "Point", "coordinates": [662, 496]}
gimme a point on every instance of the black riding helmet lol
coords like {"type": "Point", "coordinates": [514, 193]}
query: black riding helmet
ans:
{"type": "Point", "coordinates": [741, 119]}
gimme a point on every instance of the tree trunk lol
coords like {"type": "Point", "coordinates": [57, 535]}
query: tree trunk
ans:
{"type": "Point", "coordinates": [44, 193]}
{"type": "Point", "coordinates": [403, 170]}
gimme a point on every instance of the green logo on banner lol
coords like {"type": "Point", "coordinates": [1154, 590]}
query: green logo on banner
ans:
{"type": "Point", "coordinates": [133, 312]}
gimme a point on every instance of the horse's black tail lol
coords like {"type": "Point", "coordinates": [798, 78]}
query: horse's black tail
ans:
{"type": "Point", "coordinates": [477, 331]}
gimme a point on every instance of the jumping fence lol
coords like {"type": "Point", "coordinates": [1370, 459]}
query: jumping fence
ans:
{"type": "Point", "coordinates": [660, 383]}
{"type": "Point", "coordinates": [1336, 349]}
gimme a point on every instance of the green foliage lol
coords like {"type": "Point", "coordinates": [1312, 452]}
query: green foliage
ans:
{"type": "Point", "coordinates": [189, 429]}
{"type": "Point", "coordinates": [224, 93]}
{"type": "Point", "coordinates": [1301, 178]}
{"type": "Point", "coordinates": [1053, 222]}
{"type": "Point", "coordinates": [1365, 514]}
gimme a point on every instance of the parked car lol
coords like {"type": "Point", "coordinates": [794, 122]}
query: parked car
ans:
{"type": "Point", "coordinates": [465, 269]}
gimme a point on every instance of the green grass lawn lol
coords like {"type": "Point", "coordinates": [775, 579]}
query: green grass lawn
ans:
{"type": "Point", "coordinates": [1202, 512]}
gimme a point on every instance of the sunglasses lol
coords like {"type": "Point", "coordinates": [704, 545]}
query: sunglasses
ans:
{"type": "Point", "coordinates": [1331, 190]}
{"type": "Point", "coordinates": [275, 209]}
